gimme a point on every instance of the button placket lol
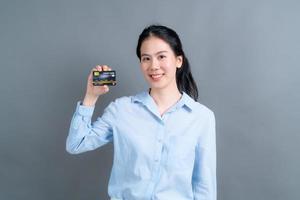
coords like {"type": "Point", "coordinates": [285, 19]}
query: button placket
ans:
{"type": "Point", "coordinates": [158, 154]}
{"type": "Point", "coordinates": [159, 139]}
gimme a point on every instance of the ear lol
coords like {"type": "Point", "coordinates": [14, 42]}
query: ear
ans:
{"type": "Point", "coordinates": [179, 61]}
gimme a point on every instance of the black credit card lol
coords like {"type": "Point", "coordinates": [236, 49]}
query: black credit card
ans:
{"type": "Point", "coordinates": [104, 78]}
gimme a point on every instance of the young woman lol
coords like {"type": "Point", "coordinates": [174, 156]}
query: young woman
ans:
{"type": "Point", "coordinates": [164, 140]}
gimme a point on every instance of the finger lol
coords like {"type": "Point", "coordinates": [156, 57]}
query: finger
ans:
{"type": "Point", "coordinates": [106, 88]}
{"type": "Point", "coordinates": [105, 68]}
{"type": "Point", "coordinates": [99, 68]}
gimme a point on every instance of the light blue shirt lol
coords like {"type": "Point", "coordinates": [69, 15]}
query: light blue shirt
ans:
{"type": "Point", "coordinates": [168, 157]}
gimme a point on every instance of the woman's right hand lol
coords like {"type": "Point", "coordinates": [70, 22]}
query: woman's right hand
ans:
{"type": "Point", "coordinates": [93, 92]}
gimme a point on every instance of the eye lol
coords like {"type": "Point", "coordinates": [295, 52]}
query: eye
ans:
{"type": "Point", "coordinates": [161, 57]}
{"type": "Point", "coordinates": [144, 59]}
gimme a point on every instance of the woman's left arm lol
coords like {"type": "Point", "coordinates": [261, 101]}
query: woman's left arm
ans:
{"type": "Point", "coordinates": [204, 173]}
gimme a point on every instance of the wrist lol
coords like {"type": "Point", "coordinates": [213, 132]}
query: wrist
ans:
{"type": "Point", "coordinates": [89, 100]}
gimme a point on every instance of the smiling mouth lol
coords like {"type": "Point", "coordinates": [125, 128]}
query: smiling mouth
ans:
{"type": "Point", "coordinates": [156, 77]}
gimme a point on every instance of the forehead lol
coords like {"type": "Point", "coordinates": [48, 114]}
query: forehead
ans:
{"type": "Point", "coordinates": [153, 45]}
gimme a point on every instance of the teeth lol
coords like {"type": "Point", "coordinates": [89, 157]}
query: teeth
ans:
{"type": "Point", "coordinates": [156, 76]}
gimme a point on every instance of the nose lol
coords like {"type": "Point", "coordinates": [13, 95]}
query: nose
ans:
{"type": "Point", "coordinates": [154, 65]}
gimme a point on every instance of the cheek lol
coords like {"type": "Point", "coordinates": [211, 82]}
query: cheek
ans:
{"type": "Point", "coordinates": [143, 67]}
{"type": "Point", "coordinates": [170, 67]}
{"type": "Point", "coordinates": [169, 62]}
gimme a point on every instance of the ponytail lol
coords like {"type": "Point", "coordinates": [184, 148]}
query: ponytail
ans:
{"type": "Point", "coordinates": [185, 80]}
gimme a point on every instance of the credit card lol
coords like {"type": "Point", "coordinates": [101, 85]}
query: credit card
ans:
{"type": "Point", "coordinates": [104, 78]}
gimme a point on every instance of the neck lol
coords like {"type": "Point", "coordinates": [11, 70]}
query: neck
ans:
{"type": "Point", "coordinates": [166, 96]}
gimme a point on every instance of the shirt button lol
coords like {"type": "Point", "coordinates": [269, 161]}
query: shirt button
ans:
{"type": "Point", "coordinates": [156, 160]}
{"type": "Point", "coordinates": [159, 140]}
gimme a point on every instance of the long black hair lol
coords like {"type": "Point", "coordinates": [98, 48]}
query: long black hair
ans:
{"type": "Point", "coordinates": [184, 78]}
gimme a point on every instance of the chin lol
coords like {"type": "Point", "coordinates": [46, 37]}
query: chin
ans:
{"type": "Point", "coordinates": [157, 86]}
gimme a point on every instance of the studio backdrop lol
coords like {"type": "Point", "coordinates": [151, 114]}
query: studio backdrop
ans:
{"type": "Point", "coordinates": [244, 57]}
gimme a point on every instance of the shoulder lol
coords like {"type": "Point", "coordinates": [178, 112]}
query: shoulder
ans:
{"type": "Point", "coordinates": [203, 111]}
{"type": "Point", "coordinates": [200, 110]}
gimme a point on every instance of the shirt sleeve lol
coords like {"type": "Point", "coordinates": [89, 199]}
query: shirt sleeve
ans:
{"type": "Point", "coordinates": [86, 136]}
{"type": "Point", "coordinates": [204, 174]}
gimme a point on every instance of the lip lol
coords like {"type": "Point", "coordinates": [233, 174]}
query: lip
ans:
{"type": "Point", "coordinates": [156, 77]}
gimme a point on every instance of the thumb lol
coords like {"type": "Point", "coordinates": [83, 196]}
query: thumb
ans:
{"type": "Point", "coordinates": [106, 88]}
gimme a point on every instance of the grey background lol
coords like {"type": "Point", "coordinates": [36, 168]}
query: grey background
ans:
{"type": "Point", "coordinates": [244, 57]}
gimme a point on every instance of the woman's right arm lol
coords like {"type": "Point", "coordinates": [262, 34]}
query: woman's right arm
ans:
{"type": "Point", "coordinates": [83, 135]}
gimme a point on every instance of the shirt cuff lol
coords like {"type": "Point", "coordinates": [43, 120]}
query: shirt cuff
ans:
{"type": "Point", "coordinates": [86, 111]}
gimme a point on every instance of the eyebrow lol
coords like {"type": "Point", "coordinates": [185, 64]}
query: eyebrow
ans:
{"type": "Point", "coordinates": [145, 54]}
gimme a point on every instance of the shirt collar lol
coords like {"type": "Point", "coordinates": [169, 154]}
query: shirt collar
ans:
{"type": "Point", "coordinates": [145, 98]}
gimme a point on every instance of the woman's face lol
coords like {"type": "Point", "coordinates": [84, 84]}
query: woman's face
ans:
{"type": "Point", "coordinates": [159, 63]}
